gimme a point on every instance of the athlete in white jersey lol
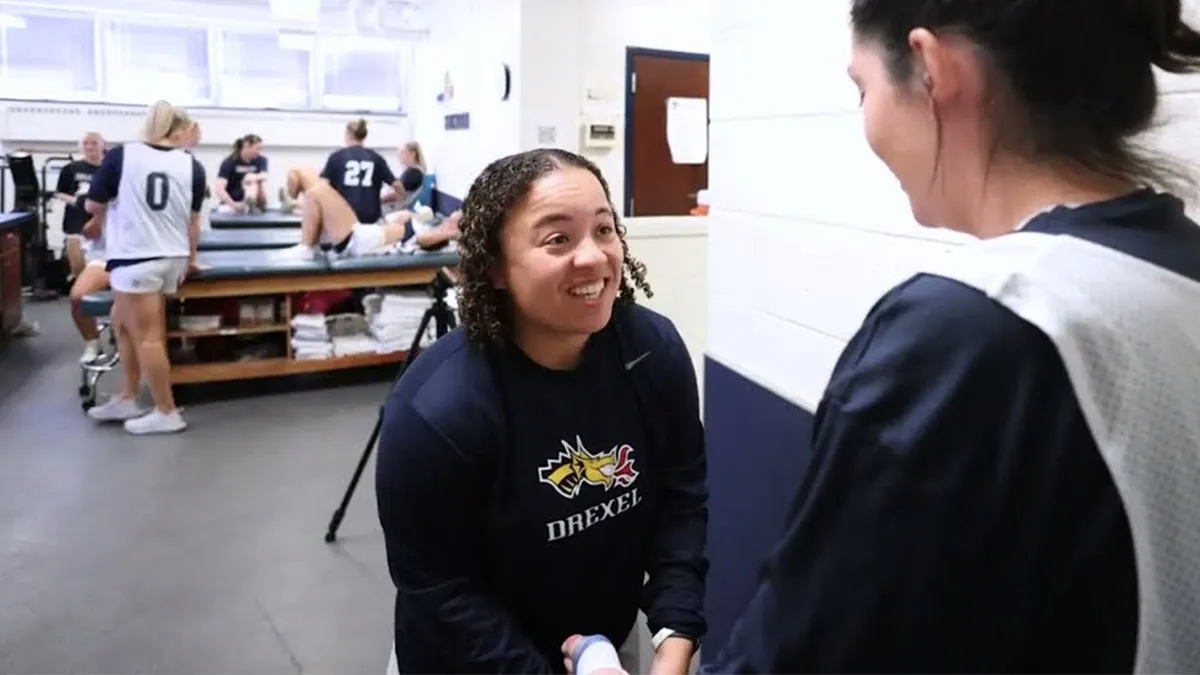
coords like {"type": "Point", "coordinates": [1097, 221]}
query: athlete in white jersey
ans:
{"type": "Point", "coordinates": [1005, 465]}
{"type": "Point", "coordinates": [150, 244]}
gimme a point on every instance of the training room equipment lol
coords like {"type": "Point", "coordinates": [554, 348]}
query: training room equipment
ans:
{"type": "Point", "coordinates": [99, 307]}
{"type": "Point", "coordinates": [265, 280]}
{"type": "Point", "coordinates": [443, 317]}
{"type": "Point", "coordinates": [40, 269]}
{"type": "Point", "coordinates": [269, 280]}
{"type": "Point", "coordinates": [12, 228]}
{"type": "Point", "coordinates": [269, 219]}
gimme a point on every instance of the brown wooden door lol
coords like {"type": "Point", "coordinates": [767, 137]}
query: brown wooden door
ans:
{"type": "Point", "coordinates": [656, 186]}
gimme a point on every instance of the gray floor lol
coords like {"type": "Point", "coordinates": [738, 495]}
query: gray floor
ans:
{"type": "Point", "coordinates": [194, 553]}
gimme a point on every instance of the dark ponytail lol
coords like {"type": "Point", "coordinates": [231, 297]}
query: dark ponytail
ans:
{"type": "Point", "coordinates": [1069, 81]}
{"type": "Point", "coordinates": [237, 149]}
{"type": "Point", "coordinates": [1175, 46]}
{"type": "Point", "coordinates": [241, 143]}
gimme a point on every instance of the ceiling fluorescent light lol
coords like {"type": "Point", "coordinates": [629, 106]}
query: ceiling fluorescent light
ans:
{"type": "Point", "coordinates": [306, 11]}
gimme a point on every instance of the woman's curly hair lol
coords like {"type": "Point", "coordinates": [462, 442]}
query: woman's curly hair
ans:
{"type": "Point", "coordinates": [483, 308]}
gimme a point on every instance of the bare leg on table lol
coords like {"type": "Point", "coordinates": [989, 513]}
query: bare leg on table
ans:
{"type": "Point", "coordinates": [325, 211]}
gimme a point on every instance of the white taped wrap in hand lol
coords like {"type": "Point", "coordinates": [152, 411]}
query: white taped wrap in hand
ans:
{"type": "Point", "coordinates": [595, 654]}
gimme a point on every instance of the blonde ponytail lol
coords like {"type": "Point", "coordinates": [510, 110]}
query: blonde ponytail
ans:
{"type": "Point", "coordinates": [162, 120]}
{"type": "Point", "coordinates": [418, 155]}
{"type": "Point", "coordinates": [159, 118]}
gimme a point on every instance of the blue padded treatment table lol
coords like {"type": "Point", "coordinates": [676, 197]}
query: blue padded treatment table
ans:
{"type": "Point", "coordinates": [255, 264]}
{"type": "Point", "coordinates": [394, 262]}
{"type": "Point", "coordinates": [248, 240]}
{"type": "Point", "coordinates": [270, 219]}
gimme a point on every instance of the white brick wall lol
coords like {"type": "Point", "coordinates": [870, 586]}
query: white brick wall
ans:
{"type": "Point", "coordinates": [808, 228]}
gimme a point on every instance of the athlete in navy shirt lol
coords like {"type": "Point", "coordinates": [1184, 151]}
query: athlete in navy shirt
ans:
{"type": "Point", "coordinates": [74, 179]}
{"type": "Point", "coordinates": [358, 174]}
{"type": "Point", "coordinates": [958, 514]}
{"type": "Point", "coordinates": [412, 178]}
{"type": "Point", "coordinates": [536, 464]}
{"type": "Point", "coordinates": [242, 177]}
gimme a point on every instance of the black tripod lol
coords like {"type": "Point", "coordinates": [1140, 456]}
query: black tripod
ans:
{"type": "Point", "coordinates": [444, 320]}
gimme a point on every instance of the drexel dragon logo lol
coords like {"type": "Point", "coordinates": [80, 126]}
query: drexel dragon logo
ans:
{"type": "Point", "coordinates": [575, 466]}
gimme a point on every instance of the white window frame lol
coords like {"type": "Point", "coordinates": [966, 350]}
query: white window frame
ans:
{"type": "Point", "coordinates": [348, 104]}
{"type": "Point", "coordinates": [111, 58]}
{"type": "Point", "coordinates": [219, 72]}
{"type": "Point", "coordinates": [72, 96]}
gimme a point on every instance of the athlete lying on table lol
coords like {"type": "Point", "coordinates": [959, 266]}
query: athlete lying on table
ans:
{"type": "Point", "coordinates": [327, 218]}
{"type": "Point", "coordinates": [430, 236]}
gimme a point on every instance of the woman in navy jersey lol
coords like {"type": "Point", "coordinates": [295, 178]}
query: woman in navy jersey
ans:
{"type": "Point", "coordinates": [73, 182]}
{"type": "Point", "coordinates": [412, 178]}
{"type": "Point", "coordinates": [541, 469]}
{"type": "Point", "coordinates": [1010, 420]}
{"type": "Point", "coordinates": [151, 236]}
{"type": "Point", "coordinates": [359, 175]}
{"type": "Point", "coordinates": [242, 177]}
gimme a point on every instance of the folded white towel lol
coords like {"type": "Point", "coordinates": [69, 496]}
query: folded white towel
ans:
{"type": "Point", "coordinates": [305, 356]}
{"type": "Point", "coordinates": [309, 349]}
{"type": "Point", "coordinates": [310, 335]}
{"type": "Point", "coordinates": [309, 321]}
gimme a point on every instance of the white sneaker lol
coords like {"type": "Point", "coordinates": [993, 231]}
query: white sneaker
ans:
{"type": "Point", "coordinates": [116, 409]}
{"type": "Point", "coordinates": [156, 422]}
{"type": "Point", "coordinates": [91, 351]}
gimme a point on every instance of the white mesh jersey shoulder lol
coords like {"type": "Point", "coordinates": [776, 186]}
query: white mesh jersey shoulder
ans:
{"type": "Point", "coordinates": [1128, 333]}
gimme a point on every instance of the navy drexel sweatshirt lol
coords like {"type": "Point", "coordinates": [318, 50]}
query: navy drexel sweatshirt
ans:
{"type": "Point", "coordinates": [521, 505]}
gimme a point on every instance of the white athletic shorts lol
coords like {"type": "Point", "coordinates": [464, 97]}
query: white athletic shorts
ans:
{"type": "Point", "coordinates": [153, 276]}
{"type": "Point", "coordinates": [365, 240]}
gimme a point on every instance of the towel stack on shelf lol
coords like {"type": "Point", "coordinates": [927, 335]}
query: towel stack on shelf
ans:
{"type": "Point", "coordinates": [310, 337]}
{"type": "Point", "coordinates": [350, 335]}
{"type": "Point", "coordinates": [394, 318]}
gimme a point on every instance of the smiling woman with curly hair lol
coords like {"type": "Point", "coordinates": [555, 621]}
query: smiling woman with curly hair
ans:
{"type": "Point", "coordinates": [541, 469]}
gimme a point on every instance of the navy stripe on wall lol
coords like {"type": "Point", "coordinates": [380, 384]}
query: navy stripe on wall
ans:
{"type": "Point", "coordinates": [445, 204]}
{"type": "Point", "coordinates": [759, 446]}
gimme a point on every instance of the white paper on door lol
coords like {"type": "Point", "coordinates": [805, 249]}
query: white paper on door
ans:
{"type": "Point", "coordinates": [687, 129]}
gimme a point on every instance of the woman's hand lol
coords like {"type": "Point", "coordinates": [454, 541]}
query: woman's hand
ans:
{"type": "Point", "coordinates": [91, 229]}
{"type": "Point", "coordinates": [568, 649]}
{"type": "Point", "coordinates": [192, 268]}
